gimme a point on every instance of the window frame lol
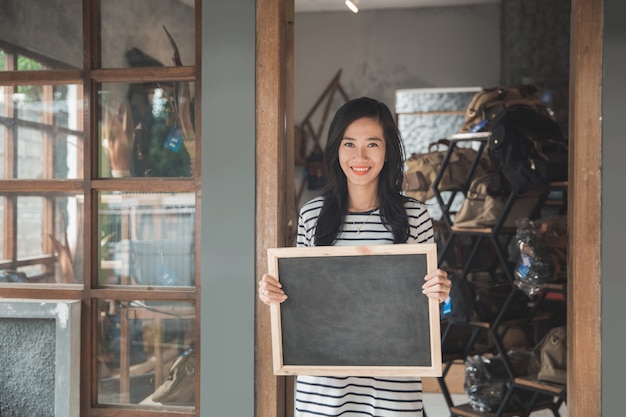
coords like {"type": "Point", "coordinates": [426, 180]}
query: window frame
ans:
{"type": "Point", "coordinates": [90, 185]}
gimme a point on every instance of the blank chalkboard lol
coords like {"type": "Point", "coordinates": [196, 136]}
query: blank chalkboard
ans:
{"type": "Point", "coordinates": [355, 311]}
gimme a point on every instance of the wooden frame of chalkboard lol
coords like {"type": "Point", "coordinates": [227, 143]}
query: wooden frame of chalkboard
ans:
{"type": "Point", "coordinates": [355, 311]}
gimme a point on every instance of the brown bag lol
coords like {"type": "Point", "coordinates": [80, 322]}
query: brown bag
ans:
{"type": "Point", "coordinates": [551, 356]}
{"type": "Point", "coordinates": [179, 387]}
{"type": "Point", "coordinates": [422, 170]}
{"type": "Point", "coordinates": [490, 101]}
{"type": "Point", "coordinates": [484, 203]}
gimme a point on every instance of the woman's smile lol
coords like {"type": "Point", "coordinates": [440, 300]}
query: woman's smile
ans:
{"type": "Point", "coordinates": [360, 170]}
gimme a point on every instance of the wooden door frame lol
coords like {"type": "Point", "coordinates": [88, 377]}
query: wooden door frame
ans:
{"type": "Point", "coordinates": [584, 219]}
{"type": "Point", "coordinates": [274, 213]}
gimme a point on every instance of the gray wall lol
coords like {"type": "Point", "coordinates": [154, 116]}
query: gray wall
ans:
{"type": "Point", "coordinates": [511, 42]}
{"type": "Point", "coordinates": [613, 203]}
{"type": "Point", "coordinates": [228, 203]}
{"type": "Point", "coordinates": [382, 51]}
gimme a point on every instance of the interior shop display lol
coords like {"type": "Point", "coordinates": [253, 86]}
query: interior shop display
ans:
{"type": "Point", "coordinates": [422, 169]}
{"type": "Point", "coordinates": [487, 298]}
{"type": "Point", "coordinates": [486, 104]}
{"type": "Point", "coordinates": [528, 147]}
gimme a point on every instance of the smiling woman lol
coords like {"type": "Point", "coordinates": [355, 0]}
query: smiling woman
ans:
{"type": "Point", "coordinates": [362, 205]}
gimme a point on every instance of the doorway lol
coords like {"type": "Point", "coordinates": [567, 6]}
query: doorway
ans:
{"type": "Point", "coordinates": [275, 154]}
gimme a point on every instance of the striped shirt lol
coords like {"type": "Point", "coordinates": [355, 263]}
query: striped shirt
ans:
{"type": "Point", "coordinates": [361, 396]}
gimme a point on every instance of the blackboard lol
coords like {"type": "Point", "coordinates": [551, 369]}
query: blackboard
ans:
{"type": "Point", "coordinates": [355, 311]}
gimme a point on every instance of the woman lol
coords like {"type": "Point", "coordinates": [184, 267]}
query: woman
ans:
{"type": "Point", "coordinates": [362, 204]}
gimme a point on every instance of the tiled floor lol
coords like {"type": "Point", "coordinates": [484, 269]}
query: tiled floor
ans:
{"type": "Point", "coordinates": [435, 406]}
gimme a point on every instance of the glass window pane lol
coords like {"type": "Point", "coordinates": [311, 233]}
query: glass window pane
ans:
{"type": "Point", "coordinates": [147, 239]}
{"type": "Point", "coordinates": [46, 245]}
{"type": "Point", "coordinates": [50, 31]}
{"type": "Point", "coordinates": [41, 132]}
{"type": "Point", "coordinates": [3, 238]}
{"type": "Point", "coordinates": [146, 353]}
{"type": "Point", "coordinates": [146, 130]}
{"type": "Point", "coordinates": [133, 33]}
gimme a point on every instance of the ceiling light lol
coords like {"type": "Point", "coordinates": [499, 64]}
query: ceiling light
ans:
{"type": "Point", "coordinates": [352, 5]}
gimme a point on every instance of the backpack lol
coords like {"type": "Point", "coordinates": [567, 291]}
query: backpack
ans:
{"type": "Point", "coordinates": [528, 148]}
{"type": "Point", "coordinates": [487, 103]}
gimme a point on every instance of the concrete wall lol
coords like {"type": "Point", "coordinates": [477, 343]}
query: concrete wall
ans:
{"type": "Point", "coordinates": [228, 208]}
{"type": "Point", "coordinates": [613, 225]}
{"type": "Point", "coordinates": [379, 52]}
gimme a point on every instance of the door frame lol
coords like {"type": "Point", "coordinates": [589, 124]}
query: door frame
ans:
{"type": "Point", "coordinates": [275, 212]}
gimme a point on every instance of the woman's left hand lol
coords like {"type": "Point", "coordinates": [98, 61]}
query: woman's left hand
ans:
{"type": "Point", "coordinates": [437, 285]}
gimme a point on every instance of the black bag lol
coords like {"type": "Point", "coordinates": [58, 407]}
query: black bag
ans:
{"type": "Point", "coordinates": [459, 308]}
{"type": "Point", "coordinates": [491, 299]}
{"type": "Point", "coordinates": [479, 301]}
{"type": "Point", "coordinates": [528, 148]}
{"type": "Point", "coordinates": [455, 337]}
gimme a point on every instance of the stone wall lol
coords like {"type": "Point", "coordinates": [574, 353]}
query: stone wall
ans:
{"type": "Point", "coordinates": [535, 49]}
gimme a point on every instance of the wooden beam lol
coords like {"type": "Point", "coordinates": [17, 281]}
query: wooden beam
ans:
{"type": "Point", "coordinates": [274, 119]}
{"type": "Point", "coordinates": [584, 290]}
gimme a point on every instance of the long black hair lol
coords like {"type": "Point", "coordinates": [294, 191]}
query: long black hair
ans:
{"type": "Point", "coordinates": [390, 198]}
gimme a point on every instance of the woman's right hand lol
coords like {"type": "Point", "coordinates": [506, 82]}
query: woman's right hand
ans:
{"type": "Point", "coordinates": [270, 290]}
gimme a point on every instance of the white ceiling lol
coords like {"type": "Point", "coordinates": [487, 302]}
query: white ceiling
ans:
{"type": "Point", "coordinates": [339, 5]}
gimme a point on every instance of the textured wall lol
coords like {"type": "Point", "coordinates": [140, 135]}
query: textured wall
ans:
{"type": "Point", "coordinates": [40, 358]}
{"type": "Point", "coordinates": [382, 51]}
{"type": "Point", "coordinates": [535, 49]}
{"type": "Point", "coordinates": [27, 367]}
{"type": "Point", "coordinates": [444, 116]}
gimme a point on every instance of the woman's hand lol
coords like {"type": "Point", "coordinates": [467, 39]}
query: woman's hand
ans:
{"type": "Point", "coordinates": [437, 285]}
{"type": "Point", "coordinates": [270, 290]}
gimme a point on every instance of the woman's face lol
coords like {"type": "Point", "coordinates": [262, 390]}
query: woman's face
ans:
{"type": "Point", "coordinates": [362, 152]}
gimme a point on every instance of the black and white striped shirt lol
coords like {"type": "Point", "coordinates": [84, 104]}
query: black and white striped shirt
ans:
{"type": "Point", "coordinates": [361, 396]}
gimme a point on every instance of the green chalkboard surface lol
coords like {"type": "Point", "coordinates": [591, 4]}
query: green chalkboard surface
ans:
{"type": "Point", "coordinates": [355, 311]}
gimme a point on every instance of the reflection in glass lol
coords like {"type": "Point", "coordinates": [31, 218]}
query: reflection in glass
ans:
{"type": "Point", "coordinates": [41, 131]}
{"type": "Point", "coordinates": [133, 34]}
{"type": "Point", "coordinates": [3, 237]}
{"type": "Point", "coordinates": [48, 31]}
{"type": "Point", "coordinates": [146, 353]}
{"type": "Point", "coordinates": [147, 130]}
{"type": "Point", "coordinates": [147, 239]}
{"type": "Point", "coordinates": [46, 244]}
